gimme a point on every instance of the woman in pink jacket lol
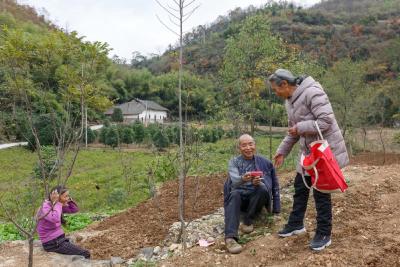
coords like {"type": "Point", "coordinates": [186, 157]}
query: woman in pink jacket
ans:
{"type": "Point", "coordinates": [50, 220]}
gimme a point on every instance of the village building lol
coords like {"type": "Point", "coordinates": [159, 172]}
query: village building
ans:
{"type": "Point", "coordinates": [145, 111]}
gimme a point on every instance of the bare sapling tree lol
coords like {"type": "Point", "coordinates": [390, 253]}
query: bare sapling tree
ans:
{"type": "Point", "coordinates": [63, 110]}
{"type": "Point", "coordinates": [179, 11]}
{"type": "Point", "coordinates": [24, 205]}
{"type": "Point", "coordinates": [67, 138]}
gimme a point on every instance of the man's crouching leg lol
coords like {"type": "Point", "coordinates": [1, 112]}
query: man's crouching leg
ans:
{"type": "Point", "coordinates": [257, 201]}
{"type": "Point", "coordinates": [232, 220]}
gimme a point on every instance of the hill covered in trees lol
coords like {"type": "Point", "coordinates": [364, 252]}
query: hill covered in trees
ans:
{"type": "Point", "coordinates": [11, 12]}
{"type": "Point", "coordinates": [350, 46]}
{"type": "Point", "coordinates": [353, 35]}
{"type": "Point", "coordinates": [328, 31]}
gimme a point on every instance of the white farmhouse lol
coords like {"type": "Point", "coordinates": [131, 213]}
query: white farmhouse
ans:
{"type": "Point", "coordinates": [145, 111]}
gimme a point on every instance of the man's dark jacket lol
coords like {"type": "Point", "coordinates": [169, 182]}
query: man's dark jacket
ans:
{"type": "Point", "coordinates": [270, 180]}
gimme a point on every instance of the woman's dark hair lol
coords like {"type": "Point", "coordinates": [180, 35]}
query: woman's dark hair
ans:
{"type": "Point", "coordinates": [60, 190]}
{"type": "Point", "coordinates": [281, 75]}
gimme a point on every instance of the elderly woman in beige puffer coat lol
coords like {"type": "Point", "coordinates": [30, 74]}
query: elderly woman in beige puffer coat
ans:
{"type": "Point", "coordinates": [307, 103]}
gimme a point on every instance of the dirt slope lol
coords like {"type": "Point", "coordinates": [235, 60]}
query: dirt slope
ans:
{"type": "Point", "coordinates": [366, 230]}
{"type": "Point", "coordinates": [147, 224]}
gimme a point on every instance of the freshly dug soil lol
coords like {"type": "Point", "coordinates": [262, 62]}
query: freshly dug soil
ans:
{"type": "Point", "coordinates": [147, 224]}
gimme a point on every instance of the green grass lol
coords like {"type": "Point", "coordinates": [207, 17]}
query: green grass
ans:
{"type": "Point", "coordinates": [8, 232]}
{"type": "Point", "coordinates": [15, 165]}
{"type": "Point", "coordinates": [74, 222]}
{"type": "Point", "coordinates": [98, 183]}
{"type": "Point", "coordinates": [141, 263]}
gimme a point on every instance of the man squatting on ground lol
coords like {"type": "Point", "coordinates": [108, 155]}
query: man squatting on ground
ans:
{"type": "Point", "coordinates": [244, 192]}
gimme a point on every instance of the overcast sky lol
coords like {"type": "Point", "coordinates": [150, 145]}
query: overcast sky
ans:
{"type": "Point", "coordinates": [131, 25]}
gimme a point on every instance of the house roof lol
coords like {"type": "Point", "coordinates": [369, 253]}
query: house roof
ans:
{"type": "Point", "coordinates": [136, 106]}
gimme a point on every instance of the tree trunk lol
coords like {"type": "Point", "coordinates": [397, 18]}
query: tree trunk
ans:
{"type": "Point", "coordinates": [270, 123]}
{"type": "Point", "coordinates": [364, 138]}
{"type": "Point", "coordinates": [383, 146]}
{"type": "Point", "coordinates": [86, 126]}
{"type": "Point", "coordinates": [30, 257]}
{"type": "Point", "coordinates": [181, 147]}
{"type": "Point", "coordinates": [252, 125]}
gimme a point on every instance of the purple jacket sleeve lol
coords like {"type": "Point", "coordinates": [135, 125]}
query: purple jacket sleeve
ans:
{"type": "Point", "coordinates": [71, 208]}
{"type": "Point", "coordinates": [53, 213]}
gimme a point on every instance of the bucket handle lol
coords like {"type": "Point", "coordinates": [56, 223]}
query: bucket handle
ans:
{"type": "Point", "coordinates": [316, 179]}
{"type": "Point", "coordinates": [319, 130]}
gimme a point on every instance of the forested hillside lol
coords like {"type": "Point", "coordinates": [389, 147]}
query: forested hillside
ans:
{"type": "Point", "coordinates": [350, 46]}
{"type": "Point", "coordinates": [329, 31]}
{"type": "Point", "coordinates": [12, 11]}
{"type": "Point", "coordinates": [362, 36]}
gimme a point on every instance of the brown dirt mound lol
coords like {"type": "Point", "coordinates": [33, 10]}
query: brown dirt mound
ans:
{"type": "Point", "coordinates": [366, 230]}
{"type": "Point", "coordinates": [147, 224]}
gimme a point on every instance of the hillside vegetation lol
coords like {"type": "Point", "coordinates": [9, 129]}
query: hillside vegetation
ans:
{"type": "Point", "coordinates": [350, 46]}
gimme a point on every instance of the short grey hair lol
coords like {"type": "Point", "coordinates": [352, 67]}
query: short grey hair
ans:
{"type": "Point", "coordinates": [284, 75]}
{"type": "Point", "coordinates": [243, 136]}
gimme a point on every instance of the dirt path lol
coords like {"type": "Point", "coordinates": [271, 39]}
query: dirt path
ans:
{"type": "Point", "coordinates": [366, 230]}
{"type": "Point", "coordinates": [4, 146]}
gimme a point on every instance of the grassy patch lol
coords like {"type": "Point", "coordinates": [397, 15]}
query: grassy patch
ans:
{"type": "Point", "coordinates": [8, 232]}
{"type": "Point", "coordinates": [101, 177]}
{"type": "Point", "coordinates": [141, 263]}
{"type": "Point", "coordinates": [76, 221]}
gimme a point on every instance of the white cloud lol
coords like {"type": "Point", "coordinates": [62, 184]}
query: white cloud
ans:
{"type": "Point", "coordinates": [131, 25]}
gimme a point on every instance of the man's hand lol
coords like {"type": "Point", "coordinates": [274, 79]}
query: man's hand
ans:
{"type": "Point", "coordinates": [293, 131]}
{"type": "Point", "coordinates": [246, 177]}
{"type": "Point", "coordinates": [256, 180]}
{"type": "Point", "coordinates": [278, 160]}
{"type": "Point", "coordinates": [54, 197]}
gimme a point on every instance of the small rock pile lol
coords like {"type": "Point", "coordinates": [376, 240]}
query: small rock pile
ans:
{"type": "Point", "coordinates": [209, 227]}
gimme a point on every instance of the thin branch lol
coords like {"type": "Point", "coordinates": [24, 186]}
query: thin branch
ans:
{"type": "Point", "coordinates": [176, 10]}
{"type": "Point", "coordinates": [185, 6]}
{"type": "Point", "coordinates": [72, 165]}
{"type": "Point", "coordinates": [177, 3]}
{"type": "Point", "coordinates": [12, 220]}
{"type": "Point", "coordinates": [167, 10]}
{"type": "Point", "coordinates": [189, 14]}
{"type": "Point", "coordinates": [191, 11]}
{"type": "Point", "coordinates": [166, 26]}
{"type": "Point", "coordinates": [173, 22]}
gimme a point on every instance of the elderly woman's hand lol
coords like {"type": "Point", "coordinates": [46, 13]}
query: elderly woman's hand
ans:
{"type": "Point", "coordinates": [278, 160]}
{"type": "Point", "coordinates": [293, 131]}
